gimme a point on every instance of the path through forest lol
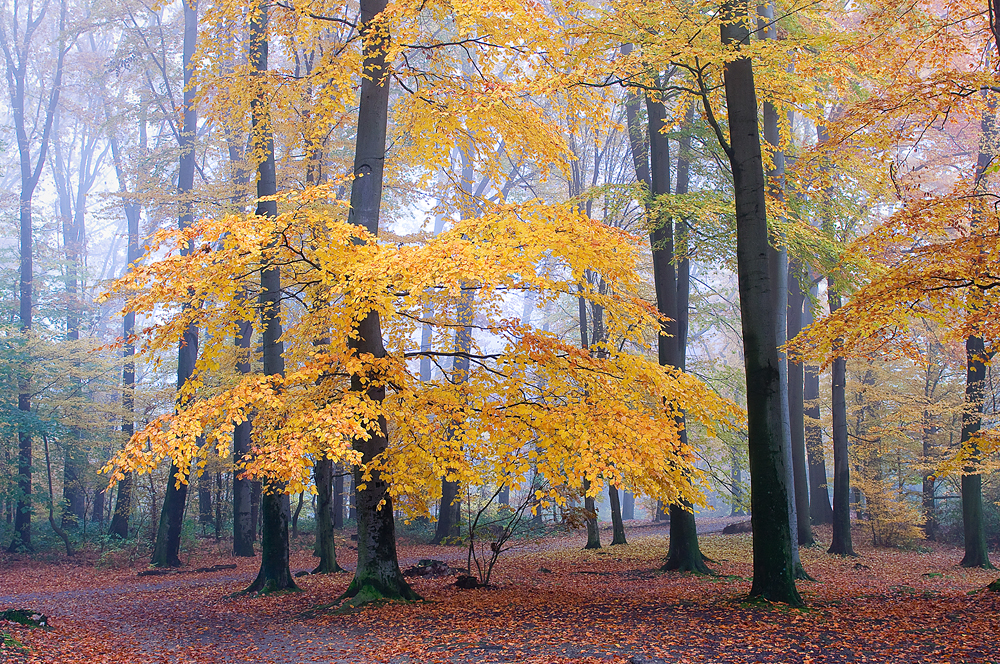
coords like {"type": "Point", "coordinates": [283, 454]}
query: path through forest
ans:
{"type": "Point", "coordinates": [552, 603]}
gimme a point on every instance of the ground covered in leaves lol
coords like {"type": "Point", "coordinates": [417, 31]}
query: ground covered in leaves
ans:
{"type": "Point", "coordinates": [551, 602]}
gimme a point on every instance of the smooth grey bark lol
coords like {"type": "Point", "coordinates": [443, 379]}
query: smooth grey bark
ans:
{"type": "Point", "coordinates": [17, 43]}
{"type": "Point", "coordinates": [628, 506]}
{"type": "Point", "coordinates": [377, 576]}
{"type": "Point", "coordinates": [274, 573]}
{"type": "Point", "coordinates": [820, 509]}
{"type": "Point", "coordinates": [774, 569]}
{"type": "Point", "coordinates": [166, 550]}
{"type": "Point", "coordinates": [325, 545]}
{"type": "Point", "coordinates": [841, 543]}
{"type": "Point", "coordinates": [796, 411]}
{"type": "Point", "coordinates": [338, 498]}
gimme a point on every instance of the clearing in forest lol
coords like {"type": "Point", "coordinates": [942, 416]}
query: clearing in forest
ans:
{"type": "Point", "coordinates": [552, 602]}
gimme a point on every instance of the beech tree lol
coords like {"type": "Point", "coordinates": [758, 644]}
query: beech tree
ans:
{"type": "Point", "coordinates": [23, 32]}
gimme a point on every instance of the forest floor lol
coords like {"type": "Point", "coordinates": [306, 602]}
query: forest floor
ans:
{"type": "Point", "coordinates": [550, 602]}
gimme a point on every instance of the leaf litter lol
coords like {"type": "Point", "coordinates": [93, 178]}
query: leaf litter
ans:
{"type": "Point", "coordinates": [551, 603]}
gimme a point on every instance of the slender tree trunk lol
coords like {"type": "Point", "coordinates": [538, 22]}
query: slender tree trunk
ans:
{"type": "Point", "coordinates": [377, 575]}
{"type": "Point", "coordinates": [841, 543]}
{"type": "Point", "coordinates": [819, 496]}
{"type": "Point", "coordinates": [274, 574]}
{"type": "Point", "coordinates": [796, 411]}
{"type": "Point", "coordinates": [325, 518]}
{"type": "Point", "coordinates": [166, 550]}
{"type": "Point", "coordinates": [774, 570]}
{"type": "Point", "coordinates": [205, 501]}
{"type": "Point", "coordinates": [338, 498]}
{"type": "Point", "coordinates": [97, 507]}
{"type": "Point", "coordinates": [18, 56]}
{"type": "Point", "coordinates": [123, 504]}
{"type": "Point", "coordinates": [617, 523]}
{"type": "Point", "coordinates": [244, 514]}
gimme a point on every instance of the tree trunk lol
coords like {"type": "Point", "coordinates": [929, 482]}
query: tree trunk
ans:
{"type": "Point", "coordinates": [274, 574]}
{"type": "Point", "coordinates": [166, 551]}
{"type": "Point", "coordinates": [449, 514]}
{"type": "Point", "coordinates": [617, 523]}
{"type": "Point", "coordinates": [325, 518]}
{"type": "Point", "coordinates": [295, 516]}
{"type": "Point", "coordinates": [377, 576]}
{"type": "Point", "coordinates": [628, 507]}
{"type": "Point", "coordinates": [19, 54]}
{"type": "Point", "coordinates": [244, 514]}
{"type": "Point", "coordinates": [819, 496]}
{"type": "Point", "coordinates": [976, 552]}
{"type": "Point", "coordinates": [338, 498]}
{"type": "Point", "coordinates": [774, 572]}
{"type": "Point", "coordinates": [205, 501]}
{"type": "Point", "coordinates": [123, 505]}
{"type": "Point", "coordinates": [841, 543]}
{"type": "Point", "coordinates": [796, 411]}
{"type": "Point", "coordinates": [590, 518]}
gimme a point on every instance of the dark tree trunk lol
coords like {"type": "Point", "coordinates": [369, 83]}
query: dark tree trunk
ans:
{"type": "Point", "coordinates": [628, 506]}
{"type": "Point", "coordinates": [295, 516]}
{"type": "Point", "coordinates": [325, 518]}
{"type": "Point", "coordinates": [205, 501]}
{"type": "Point", "coordinates": [449, 514]}
{"type": "Point", "coordinates": [819, 496]}
{"type": "Point", "coordinates": [274, 571]}
{"type": "Point", "coordinates": [244, 514]}
{"type": "Point", "coordinates": [774, 572]}
{"type": "Point", "coordinates": [796, 411]}
{"type": "Point", "coordinates": [97, 507]}
{"type": "Point", "coordinates": [166, 550]}
{"type": "Point", "coordinates": [19, 56]}
{"type": "Point", "coordinates": [123, 504]}
{"type": "Point", "coordinates": [617, 523]}
{"type": "Point", "coordinates": [841, 543]}
{"type": "Point", "coordinates": [504, 496]}
{"type": "Point", "coordinates": [590, 518]}
{"type": "Point", "coordinates": [976, 552]}
{"type": "Point", "coordinates": [377, 576]}
{"type": "Point", "coordinates": [683, 553]}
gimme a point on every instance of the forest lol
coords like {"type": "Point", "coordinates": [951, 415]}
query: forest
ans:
{"type": "Point", "coordinates": [351, 332]}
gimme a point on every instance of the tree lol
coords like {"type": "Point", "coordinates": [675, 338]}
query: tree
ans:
{"type": "Point", "coordinates": [274, 571]}
{"type": "Point", "coordinates": [20, 44]}
{"type": "Point", "coordinates": [166, 549]}
{"type": "Point", "coordinates": [774, 573]}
